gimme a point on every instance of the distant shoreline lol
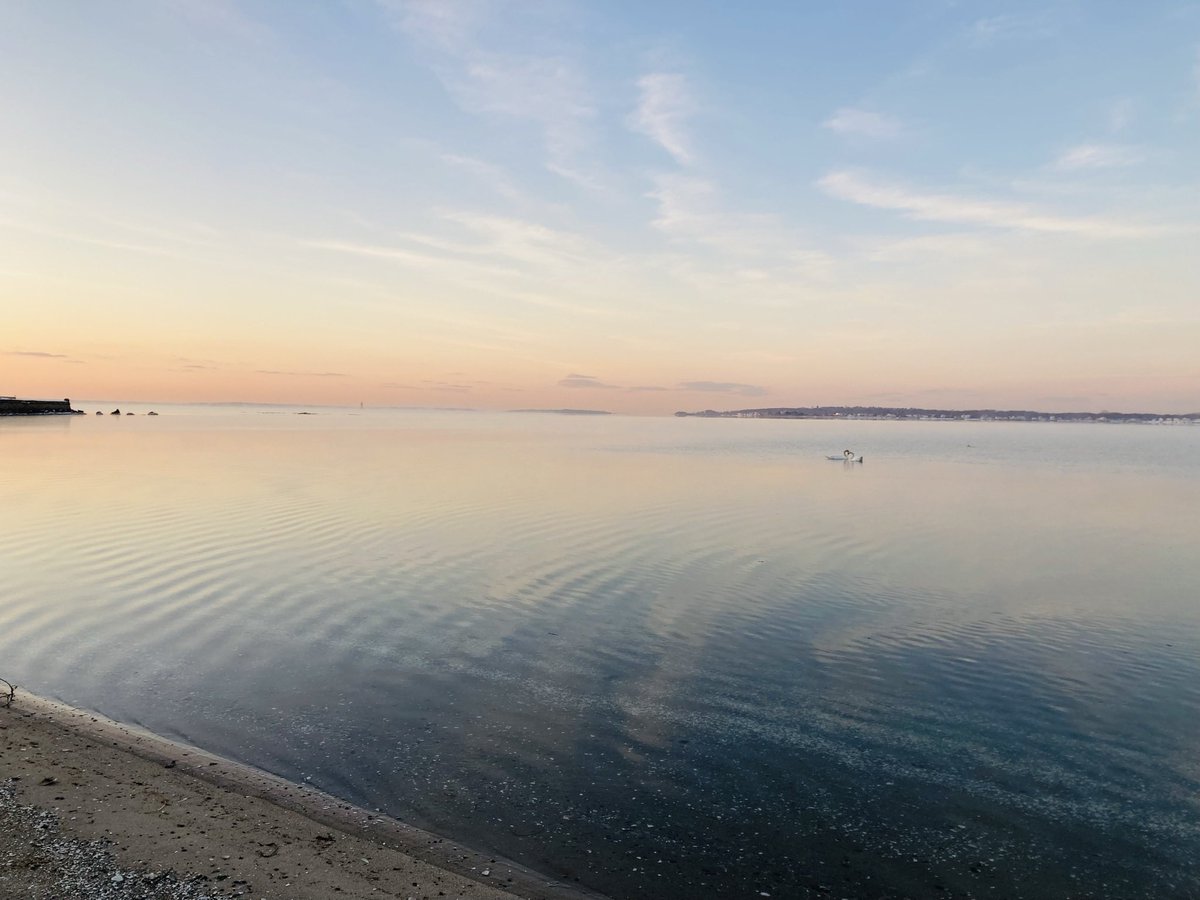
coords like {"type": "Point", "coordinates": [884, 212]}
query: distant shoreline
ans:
{"type": "Point", "coordinates": [888, 413]}
{"type": "Point", "coordinates": [11, 406]}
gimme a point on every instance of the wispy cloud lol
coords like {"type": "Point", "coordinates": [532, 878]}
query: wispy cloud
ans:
{"type": "Point", "coordinates": [1120, 112]}
{"type": "Point", "coordinates": [1032, 26]}
{"type": "Point", "coordinates": [192, 364]}
{"type": "Point", "coordinates": [491, 175]}
{"type": "Point", "coordinates": [925, 247]}
{"type": "Point", "coordinates": [693, 387]}
{"type": "Point", "coordinates": [940, 207]}
{"type": "Point", "coordinates": [1099, 156]}
{"type": "Point", "coordinates": [526, 242]}
{"type": "Point", "coordinates": [303, 374]}
{"type": "Point", "coordinates": [36, 353]}
{"type": "Point", "coordinates": [586, 381]}
{"type": "Point", "coordinates": [223, 16]}
{"type": "Point", "coordinates": [692, 209]}
{"type": "Point", "coordinates": [664, 107]}
{"type": "Point", "coordinates": [496, 257]}
{"type": "Point", "coordinates": [686, 206]}
{"type": "Point", "coordinates": [723, 387]}
{"type": "Point", "coordinates": [444, 23]}
{"type": "Point", "coordinates": [727, 249]}
{"type": "Point", "coordinates": [408, 257]}
{"type": "Point", "coordinates": [450, 386]}
{"type": "Point", "coordinates": [547, 90]}
{"type": "Point", "coordinates": [59, 234]}
{"type": "Point", "coordinates": [863, 123]}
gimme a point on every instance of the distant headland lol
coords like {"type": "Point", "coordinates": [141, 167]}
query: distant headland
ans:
{"type": "Point", "coordinates": [11, 406]}
{"type": "Point", "coordinates": [947, 415]}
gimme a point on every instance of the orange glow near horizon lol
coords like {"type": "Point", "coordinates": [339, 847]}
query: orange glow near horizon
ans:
{"type": "Point", "coordinates": [258, 222]}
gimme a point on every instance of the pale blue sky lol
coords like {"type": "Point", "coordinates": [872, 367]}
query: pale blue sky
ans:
{"type": "Point", "coordinates": [637, 206]}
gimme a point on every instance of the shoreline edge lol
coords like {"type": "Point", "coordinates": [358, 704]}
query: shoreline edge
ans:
{"type": "Point", "coordinates": [111, 750]}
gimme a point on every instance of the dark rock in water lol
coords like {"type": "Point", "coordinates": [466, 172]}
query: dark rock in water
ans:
{"type": "Point", "coordinates": [152, 413]}
{"type": "Point", "coordinates": [99, 413]}
{"type": "Point", "coordinates": [115, 412]}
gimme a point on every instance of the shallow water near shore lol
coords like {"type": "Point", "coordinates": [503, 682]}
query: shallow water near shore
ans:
{"type": "Point", "coordinates": [662, 656]}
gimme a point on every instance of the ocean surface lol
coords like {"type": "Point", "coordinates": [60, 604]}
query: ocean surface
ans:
{"type": "Point", "coordinates": [665, 657]}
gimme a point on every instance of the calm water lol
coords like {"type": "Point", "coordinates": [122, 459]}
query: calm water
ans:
{"type": "Point", "coordinates": [666, 657]}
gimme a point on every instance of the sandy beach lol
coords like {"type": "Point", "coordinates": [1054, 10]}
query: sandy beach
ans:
{"type": "Point", "coordinates": [93, 809]}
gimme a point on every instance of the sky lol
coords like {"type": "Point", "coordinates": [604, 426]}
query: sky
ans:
{"type": "Point", "coordinates": [640, 206]}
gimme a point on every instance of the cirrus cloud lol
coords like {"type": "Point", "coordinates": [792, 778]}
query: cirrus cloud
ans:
{"type": "Point", "coordinates": [723, 387]}
{"type": "Point", "coordinates": [303, 374]}
{"type": "Point", "coordinates": [662, 113]}
{"type": "Point", "coordinates": [586, 381]}
{"type": "Point", "coordinates": [943, 207]}
{"type": "Point", "coordinates": [1099, 156]}
{"type": "Point", "coordinates": [853, 122]}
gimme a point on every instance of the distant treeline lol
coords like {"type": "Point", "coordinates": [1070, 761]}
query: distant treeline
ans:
{"type": "Point", "coordinates": [912, 412]}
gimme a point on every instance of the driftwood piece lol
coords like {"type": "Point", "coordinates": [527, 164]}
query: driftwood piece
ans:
{"type": "Point", "coordinates": [8, 691]}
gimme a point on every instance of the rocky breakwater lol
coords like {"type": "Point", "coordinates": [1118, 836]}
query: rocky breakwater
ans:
{"type": "Point", "coordinates": [11, 406]}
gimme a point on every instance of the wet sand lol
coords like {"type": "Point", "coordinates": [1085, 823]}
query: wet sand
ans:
{"type": "Point", "coordinates": [90, 808]}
